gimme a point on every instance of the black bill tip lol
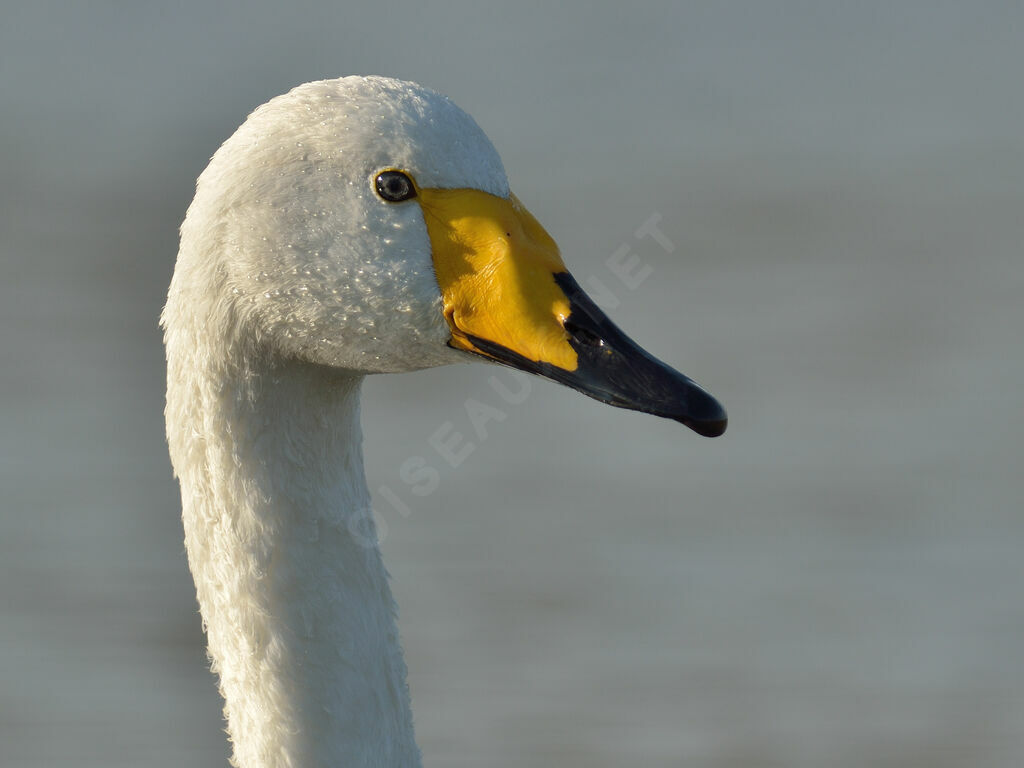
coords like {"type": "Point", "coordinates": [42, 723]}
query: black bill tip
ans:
{"type": "Point", "coordinates": [703, 414]}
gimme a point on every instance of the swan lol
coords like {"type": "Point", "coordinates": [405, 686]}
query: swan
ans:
{"type": "Point", "coordinates": [351, 226]}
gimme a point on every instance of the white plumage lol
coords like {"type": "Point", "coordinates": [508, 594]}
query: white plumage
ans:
{"type": "Point", "coordinates": [293, 280]}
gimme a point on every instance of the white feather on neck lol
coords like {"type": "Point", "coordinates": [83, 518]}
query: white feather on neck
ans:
{"type": "Point", "coordinates": [294, 596]}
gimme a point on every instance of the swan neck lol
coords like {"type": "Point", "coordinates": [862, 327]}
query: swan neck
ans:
{"type": "Point", "coordinates": [294, 597]}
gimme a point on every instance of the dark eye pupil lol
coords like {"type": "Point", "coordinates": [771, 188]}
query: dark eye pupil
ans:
{"type": "Point", "coordinates": [395, 186]}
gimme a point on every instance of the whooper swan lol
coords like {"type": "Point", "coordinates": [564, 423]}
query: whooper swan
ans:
{"type": "Point", "coordinates": [352, 226]}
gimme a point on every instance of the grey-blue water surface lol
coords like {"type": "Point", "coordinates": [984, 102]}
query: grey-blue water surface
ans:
{"type": "Point", "coordinates": [836, 582]}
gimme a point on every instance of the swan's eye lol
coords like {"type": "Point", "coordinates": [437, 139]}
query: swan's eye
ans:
{"type": "Point", "coordinates": [395, 186]}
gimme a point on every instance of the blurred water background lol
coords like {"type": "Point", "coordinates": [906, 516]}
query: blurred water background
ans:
{"type": "Point", "coordinates": [836, 582]}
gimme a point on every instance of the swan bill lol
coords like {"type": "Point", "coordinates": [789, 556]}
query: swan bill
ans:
{"type": "Point", "coordinates": [508, 297]}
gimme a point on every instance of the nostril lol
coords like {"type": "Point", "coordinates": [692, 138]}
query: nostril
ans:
{"type": "Point", "coordinates": [583, 335]}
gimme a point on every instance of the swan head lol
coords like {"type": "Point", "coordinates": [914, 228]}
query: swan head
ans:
{"type": "Point", "coordinates": [366, 224]}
